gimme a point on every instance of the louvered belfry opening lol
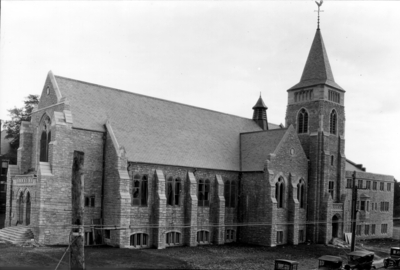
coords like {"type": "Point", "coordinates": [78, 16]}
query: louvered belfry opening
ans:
{"type": "Point", "coordinates": [260, 114]}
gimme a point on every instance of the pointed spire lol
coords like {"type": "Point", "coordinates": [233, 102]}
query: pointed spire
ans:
{"type": "Point", "coordinates": [260, 103]}
{"type": "Point", "coordinates": [317, 69]}
{"type": "Point", "coordinates": [260, 113]}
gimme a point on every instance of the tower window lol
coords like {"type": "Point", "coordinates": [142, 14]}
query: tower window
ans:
{"type": "Point", "coordinates": [332, 160]}
{"type": "Point", "coordinates": [279, 192]}
{"type": "Point", "coordinates": [334, 96]}
{"type": "Point", "coordinates": [333, 125]}
{"type": "Point", "coordinates": [45, 139]}
{"type": "Point", "coordinates": [300, 193]}
{"type": "Point", "coordinates": [302, 121]}
{"type": "Point", "coordinates": [331, 188]}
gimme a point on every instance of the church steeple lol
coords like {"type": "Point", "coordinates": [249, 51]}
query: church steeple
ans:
{"type": "Point", "coordinates": [317, 69]}
{"type": "Point", "coordinates": [260, 114]}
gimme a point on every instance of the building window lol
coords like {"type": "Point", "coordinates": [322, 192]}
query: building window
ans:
{"type": "Point", "coordinates": [349, 183]}
{"type": "Point", "coordinates": [358, 230]}
{"type": "Point", "coordinates": [279, 237]}
{"type": "Point", "coordinates": [333, 125]}
{"type": "Point", "coordinates": [302, 121]}
{"type": "Point", "coordinates": [373, 229]}
{"type": "Point", "coordinates": [203, 237]}
{"type": "Point", "coordinates": [374, 185]}
{"type": "Point", "coordinates": [173, 238]}
{"type": "Point", "coordinates": [360, 183]}
{"type": "Point", "coordinates": [331, 187]}
{"type": "Point", "coordinates": [139, 191]}
{"type": "Point", "coordinates": [279, 192]}
{"type": "Point", "coordinates": [382, 186]}
{"type": "Point", "coordinates": [332, 160]}
{"type": "Point", "coordinates": [107, 234]}
{"type": "Point", "coordinates": [334, 96]}
{"type": "Point", "coordinates": [384, 228]}
{"type": "Point", "coordinates": [174, 191]}
{"type": "Point", "coordinates": [362, 206]}
{"type": "Point", "coordinates": [301, 236]}
{"type": "Point", "coordinates": [204, 192]}
{"type": "Point", "coordinates": [301, 193]}
{"type": "Point", "coordinates": [386, 206]}
{"type": "Point", "coordinates": [230, 193]}
{"type": "Point", "coordinates": [45, 139]}
{"type": "Point", "coordinates": [230, 235]}
{"type": "Point", "coordinates": [303, 95]}
{"type": "Point", "coordinates": [366, 230]}
{"type": "Point", "coordinates": [389, 187]}
{"type": "Point", "coordinates": [139, 240]}
{"type": "Point", "coordinates": [368, 185]}
{"type": "Point", "coordinates": [89, 201]}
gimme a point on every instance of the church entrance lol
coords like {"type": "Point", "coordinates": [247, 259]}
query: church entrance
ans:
{"type": "Point", "coordinates": [28, 209]}
{"type": "Point", "coordinates": [21, 208]}
{"type": "Point", "coordinates": [335, 226]}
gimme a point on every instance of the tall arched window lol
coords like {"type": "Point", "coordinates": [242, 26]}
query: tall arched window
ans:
{"type": "Point", "coordinates": [302, 121]}
{"type": "Point", "coordinates": [279, 192]}
{"type": "Point", "coordinates": [139, 190]}
{"type": "Point", "coordinates": [333, 125]}
{"type": "Point", "coordinates": [45, 138]}
{"type": "Point", "coordinates": [173, 190]}
{"type": "Point", "coordinates": [300, 193]}
{"type": "Point", "coordinates": [230, 193]}
{"type": "Point", "coordinates": [204, 192]}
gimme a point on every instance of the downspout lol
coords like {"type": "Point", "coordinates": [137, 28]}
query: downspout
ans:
{"type": "Point", "coordinates": [103, 173]}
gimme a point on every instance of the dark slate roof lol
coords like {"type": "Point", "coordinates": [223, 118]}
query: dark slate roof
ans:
{"type": "Point", "coordinates": [317, 69]}
{"type": "Point", "coordinates": [158, 131]}
{"type": "Point", "coordinates": [260, 104]}
{"type": "Point", "coordinates": [256, 146]}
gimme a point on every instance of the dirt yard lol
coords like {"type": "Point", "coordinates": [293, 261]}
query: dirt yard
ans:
{"type": "Point", "coordinates": [203, 257]}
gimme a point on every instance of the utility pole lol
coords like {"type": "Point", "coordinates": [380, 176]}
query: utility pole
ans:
{"type": "Point", "coordinates": [77, 234]}
{"type": "Point", "coordinates": [353, 212]}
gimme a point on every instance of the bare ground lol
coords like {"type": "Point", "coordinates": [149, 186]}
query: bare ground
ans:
{"type": "Point", "coordinates": [233, 256]}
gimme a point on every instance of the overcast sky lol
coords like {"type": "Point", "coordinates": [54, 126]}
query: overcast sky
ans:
{"type": "Point", "coordinates": [217, 55]}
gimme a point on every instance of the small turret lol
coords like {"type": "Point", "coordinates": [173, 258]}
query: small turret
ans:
{"type": "Point", "coordinates": [260, 114]}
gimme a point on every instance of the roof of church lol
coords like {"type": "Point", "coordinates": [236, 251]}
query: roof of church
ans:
{"type": "Point", "coordinates": [256, 146]}
{"type": "Point", "coordinates": [260, 104]}
{"type": "Point", "coordinates": [317, 69]}
{"type": "Point", "coordinates": [158, 131]}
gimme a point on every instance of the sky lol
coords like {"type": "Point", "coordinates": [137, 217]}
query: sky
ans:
{"type": "Point", "coordinates": [218, 55]}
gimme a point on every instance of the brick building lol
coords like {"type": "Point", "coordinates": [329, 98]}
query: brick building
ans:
{"type": "Point", "coordinates": [160, 173]}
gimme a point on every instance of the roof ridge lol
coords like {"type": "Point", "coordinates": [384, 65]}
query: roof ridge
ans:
{"type": "Point", "coordinates": [270, 130]}
{"type": "Point", "coordinates": [132, 93]}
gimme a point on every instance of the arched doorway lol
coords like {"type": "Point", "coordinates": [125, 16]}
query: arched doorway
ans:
{"type": "Point", "coordinates": [28, 209]}
{"type": "Point", "coordinates": [21, 208]}
{"type": "Point", "coordinates": [335, 226]}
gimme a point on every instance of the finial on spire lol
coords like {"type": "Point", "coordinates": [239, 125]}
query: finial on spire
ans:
{"type": "Point", "coordinates": [319, 5]}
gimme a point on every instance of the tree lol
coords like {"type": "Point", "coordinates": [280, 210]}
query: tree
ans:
{"type": "Point", "coordinates": [17, 116]}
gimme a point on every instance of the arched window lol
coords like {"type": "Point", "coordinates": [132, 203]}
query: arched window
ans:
{"type": "Point", "coordinates": [45, 138]}
{"type": "Point", "coordinates": [173, 190]}
{"type": "Point", "coordinates": [302, 121]}
{"type": "Point", "coordinates": [279, 192]}
{"type": "Point", "coordinates": [230, 235]}
{"type": "Point", "coordinates": [333, 125]}
{"type": "Point", "coordinates": [300, 193]}
{"type": "Point", "coordinates": [139, 240]}
{"type": "Point", "coordinates": [173, 238]}
{"type": "Point", "coordinates": [230, 193]}
{"type": "Point", "coordinates": [204, 192]}
{"type": "Point", "coordinates": [203, 237]}
{"type": "Point", "coordinates": [139, 190]}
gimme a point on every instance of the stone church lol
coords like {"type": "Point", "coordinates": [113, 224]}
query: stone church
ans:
{"type": "Point", "coordinates": [159, 173]}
